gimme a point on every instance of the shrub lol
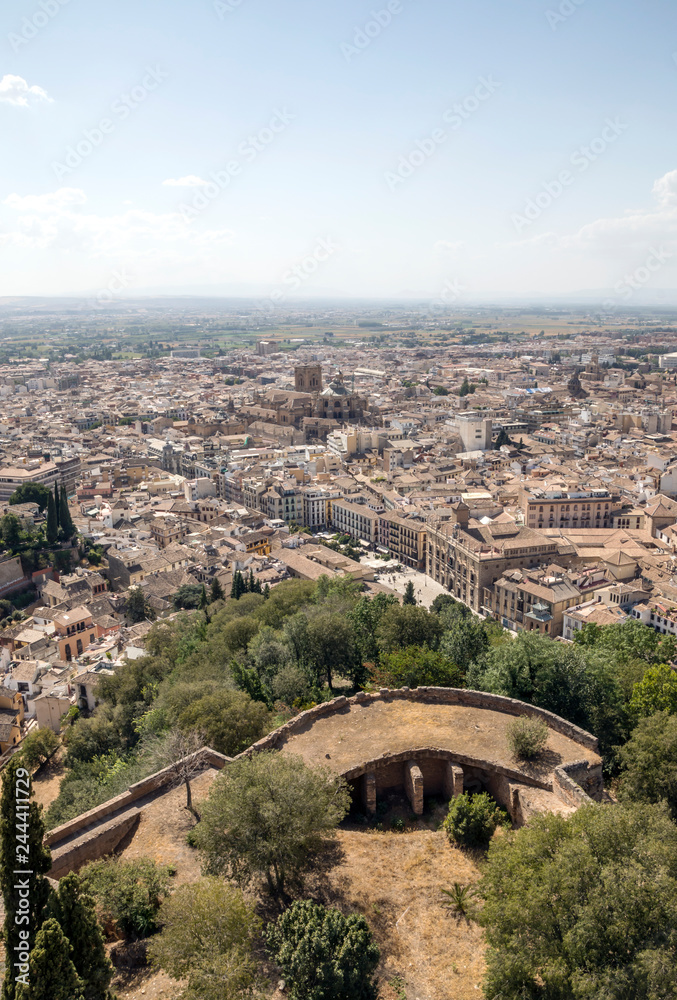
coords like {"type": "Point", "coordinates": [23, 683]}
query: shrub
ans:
{"type": "Point", "coordinates": [460, 899]}
{"type": "Point", "coordinates": [324, 955]}
{"type": "Point", "coordinates": [208, 935]}
{"type": "Point", "coordinates": [527, 737]}
{"type": "Point", "coordinates": [128, 892]}
{"type": "Point", "coordinates": [472, 820]}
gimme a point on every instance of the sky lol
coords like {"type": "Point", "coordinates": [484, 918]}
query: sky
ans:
{"type": "Point", "coordinates": [307, 148]}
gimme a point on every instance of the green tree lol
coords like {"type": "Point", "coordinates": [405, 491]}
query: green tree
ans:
{"type": "Point", "coordinates": [443, 601]}
{"type": "Point", "coordinates": [465, 387]}
{"type": "Point", "coordinates": [51, 974]}
{"type": "Point", "coordinates": [409, 595]}
{"type": "Point", "coordinates": [324, 955]}
{"type": "Point", "coordinates": [267, 816]}
{"type": "Point", "coordinates": [74, 910]}
{"type": "Point", "coordinates": [138, 608]}
{"type": "Point", "coordinates": [57, 503]}
{"type": "Point", "coordinates": [38, 746]}
{"type": "Point", "coordinates": [649, 762]}
{"type": "Point", "coordinates": [21, 847]}
{"type": "Point", "coordinates": [465, 641]}
{"type": "Point", "coordinates": [331, 649]}
{"type": "Point", "coordinates": [229, 720]}
{"type": "Point", "coordinates": [417, 666]}
{"type": "Point", "coordinates": [128, 892]}
{"type": "Point", "coordinates": [364, 618]}
{"type": "Point", "coordinates": [216, 591]}
{"type": "Point", "coordinates": [558, 678]}
{"type": "Point", "coordinates": [502, 439]}
{"type": "Point", "coordinates": [238, 587]}
{"type": "Point", "coordinates": [631, 640]}
{"type": "Point", "coordinates": [208, 935]}
{"type": "Point", "coordinates": [656, 692]}
{"type": "Point", "coordinates": [584, 906]}
{"type": "Point", "coordinates": [188, 596]}
{"type": "Point", "coordinates": [408, 626]}
{"type": "Point", "coordinates": [11, 531]}
{"type": "Point", "coordinates": [31, 493]}
{"type": "Point", "coordinates": [52, 522]}
{"type": "Point", "coordinates": [65, 519]}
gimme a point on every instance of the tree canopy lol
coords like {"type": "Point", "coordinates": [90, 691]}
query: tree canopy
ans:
{"type": "Point", "coordinates": [266, 815]}
{"type": "Point", "coordinates": [584, 907]}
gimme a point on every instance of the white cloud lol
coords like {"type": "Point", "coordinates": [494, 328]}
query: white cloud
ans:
{"type": "Point", "coordinates": [55, 201]}
{"type": "Point", "coordinates": [637, 227]}
{"type": "Point", "coordinates": [665, 188]}
{"type": "Point", "coordinates": [190, 181]}
{"type": "Point", "coordinates": [56, 220]}
{"type": "Point", "coordinates": [14, 90]}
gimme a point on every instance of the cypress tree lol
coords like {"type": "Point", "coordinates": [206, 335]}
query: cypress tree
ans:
{"type": "Point", "coordinates": [203, 599]}
{"type": "Point", "coordinates": [251, 583]}
{"type": "Point", "coordinates": [409, 595]}
{"type": "Point", "coordinates": [21, 848]}
{"type": "Point", "coordinates": [73, 908]}
{"type": "Point", "coordinates": [64, 514]}
{"type": "Point", "coordinates": [52, 974]}
{"type": "Point", "coordinates": [266, 591]}
{"type": "Point", "coordinates": [52, 521]}
{"type": "Point", "coordinates": [216, 591]}
{"type": "Point", "coordinates": [57, 504]}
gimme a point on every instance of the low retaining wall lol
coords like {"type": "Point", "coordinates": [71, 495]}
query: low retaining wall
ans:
{"type": "Point", "coordinates": [578, 783]}
{"type": "Point", "coordinates": [209, 758]}
{"type": "Point", "coordinates": [102, 840]}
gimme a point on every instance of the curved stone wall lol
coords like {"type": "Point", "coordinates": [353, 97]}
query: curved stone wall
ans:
{"type": "Point", "coordinates": [433, 695]}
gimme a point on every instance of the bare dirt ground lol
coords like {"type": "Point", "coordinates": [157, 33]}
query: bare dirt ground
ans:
{"type": "Point", "coordinates": [362, 733]}
{"type": "Point", "coordinates": [393, 879]}
{"type": "Point", "coordinates": [47, 779]}
{"type": "Point", "coordinates": [163, 827]}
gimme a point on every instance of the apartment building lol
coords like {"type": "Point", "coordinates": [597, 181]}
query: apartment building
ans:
{"type": "Point", "coordinates": [528, 600]}
{"type": "Point", "coordinates": [469, 557]}
{"type": "Point", "coordinates": [12, 477]}
{"type": "Point", "coordinates": [355, 519]}
{"type": "Point", "coordinates": [74, 630]}
{"type": "Point", "coordinates": [567, 508]}
{"type": "Point", "coordinates": [405, 538]}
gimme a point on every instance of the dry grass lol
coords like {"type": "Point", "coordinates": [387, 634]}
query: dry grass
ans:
{"type": "Point", "coordinates": [394, 880]}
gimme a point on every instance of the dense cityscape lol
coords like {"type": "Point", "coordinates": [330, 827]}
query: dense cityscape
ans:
{"type": "Point", "coordinates": [226, 527]}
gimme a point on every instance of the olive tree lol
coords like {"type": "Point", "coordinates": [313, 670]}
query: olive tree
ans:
{"type": "Point", "coordinates": [267, 815]}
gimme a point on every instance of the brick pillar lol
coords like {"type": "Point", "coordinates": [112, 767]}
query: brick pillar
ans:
{"type": "Point", "coordinates": [453, 784]}
{"type": "Point", "coordinates": [413, 785]}
{"type": "Point", "coordinates": [369, 792]}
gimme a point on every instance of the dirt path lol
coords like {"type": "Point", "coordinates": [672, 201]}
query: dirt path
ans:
{"type": "Point", "coordinates": [47, 781]}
